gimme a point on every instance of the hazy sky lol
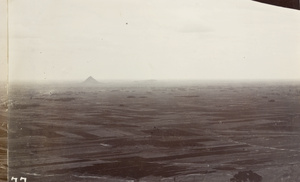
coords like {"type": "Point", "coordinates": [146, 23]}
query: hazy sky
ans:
{"type": "Point", "coordinates": [3, 40]}
{"type": "Point", "coordinates": [152, 39]}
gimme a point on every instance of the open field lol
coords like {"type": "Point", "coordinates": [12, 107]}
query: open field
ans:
{"type": "Point", "coordinates": [3, 132]}
{"type": "Point", "coordinates": [155, 131]}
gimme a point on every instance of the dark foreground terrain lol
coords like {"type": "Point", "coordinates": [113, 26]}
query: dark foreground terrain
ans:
{"type": "Point", "coordinates": [155, 131]}
{"type": "Point", "coordinates": [3, 131]}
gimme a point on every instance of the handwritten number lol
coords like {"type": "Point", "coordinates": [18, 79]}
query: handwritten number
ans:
{"type": "Point", "coordinates": [16, 179]}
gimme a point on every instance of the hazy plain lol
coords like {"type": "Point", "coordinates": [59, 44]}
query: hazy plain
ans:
{"type": "Point", "coordinates": [155, 131]}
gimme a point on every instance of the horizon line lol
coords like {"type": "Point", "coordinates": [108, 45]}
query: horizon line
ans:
{"type": "Point", "coordinates": [150, 79]}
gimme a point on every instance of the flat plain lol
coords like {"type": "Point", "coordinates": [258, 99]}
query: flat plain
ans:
{"type": "Point", "coordinates": [3, 131]}
{"type": "Point", "coordinates": [155, 131]}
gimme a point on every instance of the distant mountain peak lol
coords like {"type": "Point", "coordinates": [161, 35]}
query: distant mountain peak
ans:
{"type": "Point", "coordinates": [90, 80]}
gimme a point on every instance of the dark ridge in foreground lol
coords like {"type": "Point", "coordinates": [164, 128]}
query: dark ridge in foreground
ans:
{"type": "Point", "coordinates": [246, 176]}
{"type": "Point", "coordinates": [131, 167]}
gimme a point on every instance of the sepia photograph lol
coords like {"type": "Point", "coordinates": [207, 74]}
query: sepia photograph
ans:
{"type": "Point", "coordinates": [3, 90]}
{"type": "Point", "coordinates": [150, 91]}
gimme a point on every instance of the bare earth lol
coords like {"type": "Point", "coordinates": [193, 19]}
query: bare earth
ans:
{"type": "Point", "coordinates": [3, 132]}
{"type": "Point", "coordinates": [155, 131]}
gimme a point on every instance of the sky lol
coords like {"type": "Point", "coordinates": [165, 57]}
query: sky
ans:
{"type": "Point", "coordinates": [152, 39]}
{"type": "Point", "coordinates": [3, 41]}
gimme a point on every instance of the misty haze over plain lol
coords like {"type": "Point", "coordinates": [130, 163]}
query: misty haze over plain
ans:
{"type": "Point", "coordinates": [195, 39]}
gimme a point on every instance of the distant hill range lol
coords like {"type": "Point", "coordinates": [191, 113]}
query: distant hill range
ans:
{"type": "Point", "coordinates": [294, 4]}
{"type": "Point", "coordinates": [90, 81]}
{"type": "Point", "coordinates": [146, 81]}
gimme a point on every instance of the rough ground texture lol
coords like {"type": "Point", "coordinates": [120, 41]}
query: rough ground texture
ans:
{"type": "Point", "coordinates": [155, 132]}
{"type": "Point", "coordinates": [3, 132]}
